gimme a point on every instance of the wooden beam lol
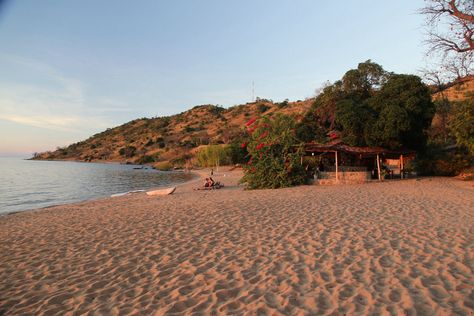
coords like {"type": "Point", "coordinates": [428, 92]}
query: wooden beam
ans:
{"type": "Point", "coordinates": [401, 167]}
{"type": "Point", "coordinates": [337, 167]}
{"type": "Point", "coordinates": [378, 167]}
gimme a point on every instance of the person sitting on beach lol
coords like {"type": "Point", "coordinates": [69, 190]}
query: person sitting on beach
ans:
{"type": "Point", "coordinates": [210, 184]}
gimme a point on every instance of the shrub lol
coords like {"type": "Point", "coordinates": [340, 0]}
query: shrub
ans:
{"type": "Point", "coordinates": [462, 123]}
{"type": "Point", "coordinates": [283, 104]}
{"type": "Point", "coordinates": [261, 108]}
{"type": "Point", "coordinates": [439, 162]}
{"type": "Point", "coordinates": [189, 129]}
{"type": "Point", "coordinates": [180, 160]}
{"type": "Point", "coordinates": [274, 154]}
{"type": "Point", "coordinates": [163, 166]}
{"type": "Point", "coordinates": [147, 159]}
{"type": "Point", "coordinates": [187, 144]}
{"type": "Point", "coordinates": [128, 151]}
{"type": "Point", "coordinates": [238, 153]}
{"type": "Point", "coordinates": [149, 143]}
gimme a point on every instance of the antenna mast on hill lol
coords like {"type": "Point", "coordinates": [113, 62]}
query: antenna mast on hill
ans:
{"type": "Point", "coordinates": [253, 91]}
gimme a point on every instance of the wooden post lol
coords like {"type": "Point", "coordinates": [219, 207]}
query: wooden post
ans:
{"type": "Point", "coordinates": [378, 167]}
{"type": "Point", "coordinates": [337, 168]}
{"type": "Point", "coordinates": [401, 167]}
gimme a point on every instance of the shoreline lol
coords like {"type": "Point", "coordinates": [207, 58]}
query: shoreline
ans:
{"type": "Point", "coordinates": [194, 176]}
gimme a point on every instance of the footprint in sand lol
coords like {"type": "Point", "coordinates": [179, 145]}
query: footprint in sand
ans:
{"type": "Point", "coordinates": [395, 295]}
{"type": "Point", "coordinates": [438, 293]}
{"type": "Point", "coordinates": [347, 292]}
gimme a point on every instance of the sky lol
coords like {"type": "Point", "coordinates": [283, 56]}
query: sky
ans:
{"type": "Point", "coordinates": [70, 69]}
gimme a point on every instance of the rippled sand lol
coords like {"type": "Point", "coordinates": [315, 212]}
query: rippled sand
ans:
{"type": "Point", "coordinates": [401, 247]}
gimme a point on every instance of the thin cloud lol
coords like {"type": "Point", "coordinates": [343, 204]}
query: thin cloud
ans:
{"type": "Point", "coordinates": [55, 102]}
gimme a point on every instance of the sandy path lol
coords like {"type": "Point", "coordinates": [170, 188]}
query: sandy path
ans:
{"type": "Point", "coordinates": [382, 248]}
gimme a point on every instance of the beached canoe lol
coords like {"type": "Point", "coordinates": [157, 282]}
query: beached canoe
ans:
{"type": "Point", "coordinates": [161, 191]}
{"type": "Point", "coordinates": [126, 193]}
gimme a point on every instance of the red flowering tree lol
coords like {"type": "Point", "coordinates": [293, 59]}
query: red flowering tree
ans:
{"type": "Point", "coordinates": [274, 154]}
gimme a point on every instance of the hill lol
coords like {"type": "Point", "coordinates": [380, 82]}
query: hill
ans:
{"type": "Point", "coordinates": [456, 90]}
{"type": "Point", "coordinates": [174, 139]}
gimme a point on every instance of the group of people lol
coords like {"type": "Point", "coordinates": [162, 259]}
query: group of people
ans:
{"type": "Point", "coordinates": [209, 182]}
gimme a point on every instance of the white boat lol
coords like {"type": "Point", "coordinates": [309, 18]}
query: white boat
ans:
{"type": "Point", "coordinates": [166, 191]}
{"type": "Point", "coordinates": [126, 193]}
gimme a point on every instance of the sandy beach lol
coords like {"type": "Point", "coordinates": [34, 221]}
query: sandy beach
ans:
{"type": "Point", "coordinates": [401, 247]}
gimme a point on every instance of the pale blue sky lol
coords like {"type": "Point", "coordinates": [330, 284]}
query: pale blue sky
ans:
{"type": "Point", "coordinates": [70, 69]}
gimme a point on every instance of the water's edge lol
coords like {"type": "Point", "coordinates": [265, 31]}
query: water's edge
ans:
{"type": "Point", "coordinates": [34, 187]}
{"type": "Point", "coordinates": [195, 178]}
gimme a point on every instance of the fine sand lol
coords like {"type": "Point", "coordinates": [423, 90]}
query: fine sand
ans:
{"type": "Point", "coordinates": [401, 247]}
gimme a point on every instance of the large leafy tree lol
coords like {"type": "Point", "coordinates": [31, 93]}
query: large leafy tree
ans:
{"type": "Point", "coordinates": [370, 106]}
{"type": "Point", "coordinates": [331, 109]}
{"type": "Point", "coordinates": [353, 119]}
{"type": "Point", "coordinates": [404, 113]}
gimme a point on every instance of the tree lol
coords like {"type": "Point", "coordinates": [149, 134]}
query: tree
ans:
{"type": "Point", "coordinates": [371, 107]}
{"type": "Point", "coordinates": [352, 120]}
{"type": "Point", "coordinates": [341, 105]}
{"type": "Point", "coordinates": [456, 43]}
{"type": "Point", "coordinates": [274, 154]}
{"type": "Point", "coordinates": [462, 123]}
{"type": "Point", "coordinates": [404, 113]}
{"type": "Point", "coordinates": [364, 80]}
{"type": "Point", "coordinates": [213, 156]}
{"type": "Point", "coordinates": [459, 17]}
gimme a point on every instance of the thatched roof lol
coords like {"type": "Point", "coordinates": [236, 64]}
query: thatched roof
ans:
{"type": "Point", "coordinates": [338, 145]}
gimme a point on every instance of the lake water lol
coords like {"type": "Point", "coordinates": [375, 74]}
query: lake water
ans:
{"type": "Point", "coordinates": [27, 184]}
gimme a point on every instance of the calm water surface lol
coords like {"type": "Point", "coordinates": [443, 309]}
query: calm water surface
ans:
{"type": "Point", "coordinates": [26, 184]}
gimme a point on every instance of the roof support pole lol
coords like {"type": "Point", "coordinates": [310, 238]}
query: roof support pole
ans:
{"type": "Point", "coordinates": [337, 168]}
{"type": "Point", "coordinates": [401, 167]}
{"type": "Point", "coordinates": [378, 167]}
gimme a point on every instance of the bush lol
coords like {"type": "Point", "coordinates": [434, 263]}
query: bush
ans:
{"type": "Point", "coordinates": [238, 154]}
{"type": "Point", "coordinates": [462, 123]}
{"type": "Point", "coordinates": [163, 166]}
{"type": "Point", "coordinates": [128, 151]}
{"type": "Point", "coordinates": [147, 159]}
{"type": "Point", "coordinates": [180, 160]}
{"type": "Point", "coordinates": [436, 161]}
{"type": "Point", "coordinates": [149, 143]}
{"type": "Point", "coordinates": [261, 108]}
{"type": "Point", "coordinates": [283, 104]}
{"type": "Point", "coordinates": [189, 129]}
{"type": "Point", "coordinates": [274, 154]}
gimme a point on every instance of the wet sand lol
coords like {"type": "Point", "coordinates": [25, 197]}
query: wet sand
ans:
{"type": "Point", "coordinates": [401, 247]}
